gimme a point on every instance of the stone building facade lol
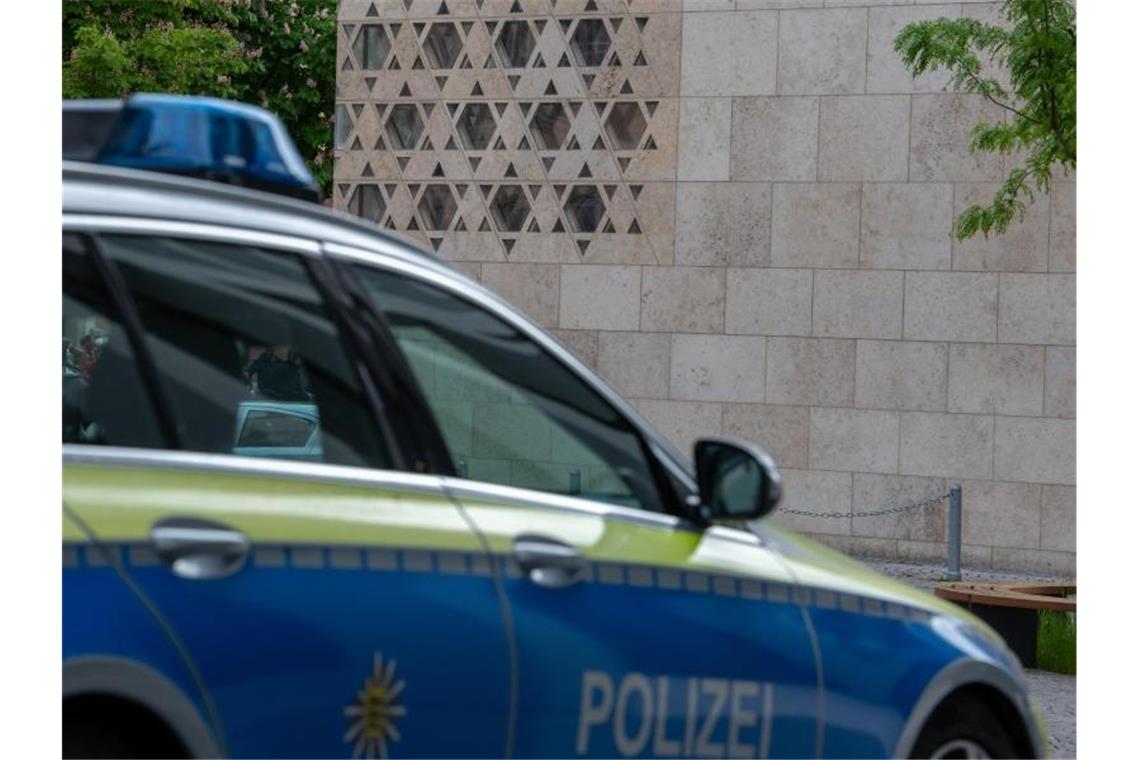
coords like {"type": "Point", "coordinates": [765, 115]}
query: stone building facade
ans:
{"type": "Point", "coordinates": [739, 212]}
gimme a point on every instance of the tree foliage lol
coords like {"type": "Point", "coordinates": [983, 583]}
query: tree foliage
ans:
{"type": "Point", "coordinates": [1037, 51]}
{"type": "Point", "coordinates": [280, 54]}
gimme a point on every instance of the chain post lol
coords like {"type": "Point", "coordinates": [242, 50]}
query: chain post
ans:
{"type": "Point", "coordinates": [954, 542]}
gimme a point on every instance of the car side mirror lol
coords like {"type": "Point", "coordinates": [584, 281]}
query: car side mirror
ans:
{"type": "Point", "coordinates": [737, 480]}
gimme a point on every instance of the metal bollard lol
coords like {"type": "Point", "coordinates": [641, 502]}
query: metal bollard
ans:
{"type": "Point", "coordinates": [954, 539]}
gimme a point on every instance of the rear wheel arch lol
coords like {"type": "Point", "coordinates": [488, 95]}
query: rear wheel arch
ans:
{"type": "Point", "coordinates": [976, 682]}
{"type": "Point", "coordinates": [96, 685]}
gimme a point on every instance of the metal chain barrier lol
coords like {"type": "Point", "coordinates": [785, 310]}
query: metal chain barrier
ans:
{"type": "Point", "coordinates": [873, 513]}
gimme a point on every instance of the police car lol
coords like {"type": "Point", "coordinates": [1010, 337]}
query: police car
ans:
{"type": "Point", "coordinates": [488, 554]}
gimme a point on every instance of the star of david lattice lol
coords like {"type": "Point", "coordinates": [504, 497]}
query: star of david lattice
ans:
{"type": "Point", "coordinates": [543, 130]}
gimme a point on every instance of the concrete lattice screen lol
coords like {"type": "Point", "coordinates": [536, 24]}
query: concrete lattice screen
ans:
{"type": "Point", "coordinates": [741, 217]}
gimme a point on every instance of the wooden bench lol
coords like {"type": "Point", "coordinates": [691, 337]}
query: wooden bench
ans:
{"type": "Point", "coordinates": [1011, 608]}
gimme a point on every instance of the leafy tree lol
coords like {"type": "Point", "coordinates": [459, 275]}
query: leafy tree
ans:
{"type": "Point", "coordinates": [1038, 50]}
{"type": "Point", "coordinates": [278, 54]}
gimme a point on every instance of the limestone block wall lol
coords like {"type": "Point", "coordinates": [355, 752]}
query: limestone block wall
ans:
{"type": "Point", "coordinates": [740, 214]}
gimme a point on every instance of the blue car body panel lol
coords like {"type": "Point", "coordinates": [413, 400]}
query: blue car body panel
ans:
{"type": "Point", "coordinates": [285, 653]}
{"type": "Point", "coordinates": [105, 618]}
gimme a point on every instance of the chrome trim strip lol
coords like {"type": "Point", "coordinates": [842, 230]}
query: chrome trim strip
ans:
{"type": "Point", "coordinates": [201, 231]}
{"type": "Point", "coordinates": [114, 456]}
{"type": "Point", "coordinates": [126, 678]}
{"type": "Point", "coordinates": [959, 673]}
{"type": "Point", "coordinates": [461, 489]}
{"type": "Point", "coordinates": [466, 288]}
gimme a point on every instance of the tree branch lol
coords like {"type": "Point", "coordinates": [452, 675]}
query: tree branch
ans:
{"type": "Point", "coordinates": [978, 82]}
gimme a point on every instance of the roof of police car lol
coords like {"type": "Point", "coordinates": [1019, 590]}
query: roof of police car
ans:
{"type": "Point", "coordinates": [113, 191]}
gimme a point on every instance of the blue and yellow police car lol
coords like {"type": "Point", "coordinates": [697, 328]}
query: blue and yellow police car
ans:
{"type": "Point", "coordinates": [435, 532]}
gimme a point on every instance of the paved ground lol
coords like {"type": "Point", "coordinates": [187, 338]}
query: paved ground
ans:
{"type": "Point", "coordinates": [1054, 694]}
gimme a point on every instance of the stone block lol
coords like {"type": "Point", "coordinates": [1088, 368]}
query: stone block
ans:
{"type": "Point", "coordinates": [531, 287]}
{"type": "Point", "coordinates": [857, 304]}
{"type": "Point", "coordinates": [582, 343]}
{"type": "Point", "coordinates": [1001, 514]}
{"type": "Point", "coordinates": [864, 138]}
{"type": "Point", "coordinates": [704, 137]}
{"type": "Point", "coordinates": [1060, 382]}
{"type": "Point", "coordinates": [1038, 308]}
{"type": "Point", "coordinates": [782, 431]}
{"type": "Point", "coordinates": [750, 5]}
{"type": "Point", "coordinates": [885, 69]}
{"type": "Point", "coordinates": [1035, 450]}
{"type": "Point", "coordinates": [854, 439]}
{"type": "Point", "coordinates": [996, 379]}
{"type": "Point", "coordinates": [635, 364]}
{"type": "Point", "coordinates": [907, 225]}
{"type": "Point", "coordinates": [973, 557]}
{"type": "Point", "coordinates": [891, 374]}
{"type": "Point", "coordinates": [823, 52]}
{"type": "Point", "coordinates": [599, 297]}
{"type": "Point", "coordinates": [1023, 247]}
{"type": "Point", "coordinates": [728, 53]}
{"type": "Point", "coordinates": [1062, 227]}
{"type": "Point", "coordinates": [940, 135]}
{"type": "Point", "coordinates": [814, 491]}
{"type": "Point", "coordinates": [1059, 518]}
{"type": "Point", "coordinates": [691, 6]}
{"type": "Point", "coordinates": [775, 139]}
{"type": "Point", "coordinates": [957, 306]}
{"type": "Point", "coordinates": [682, 299]}
{"type": "Point", "coordinates": [811, 371]}
{"type": "Point", "coordinates": [472, 269]}
{"type": "Point", "coordinates": [769, 301]}
{"type": "Point", "coordinates": [682, 422]}
{"type": "Point", "coordinates": [874, 493]}
{"type": "Point", "coordinates": [946, 445]}
{"type": "Point", "coordinates": [723, 223]}
{"type": "Point", "coordinates": [1062, 564]}
{"type": "Point", "coordinates": [717, 368]}
{"type": "Point", "coordinates": [815, 225]}
{"type": "Point", "coordinates": [861, 546]}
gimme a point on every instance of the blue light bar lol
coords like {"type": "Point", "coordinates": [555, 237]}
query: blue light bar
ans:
{"type": "Point", "coordinates": [215, 139]}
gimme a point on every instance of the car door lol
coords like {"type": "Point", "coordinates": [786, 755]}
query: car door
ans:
{"type": "Point", "coordinates": [638, 633]}
{"type": "Point", "coordinates": [337, 607]}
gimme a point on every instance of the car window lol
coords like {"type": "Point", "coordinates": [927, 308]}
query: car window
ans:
{"type": "Point", "coordinates": [236, 329]}
{"type": "Point", "coordinates": [104, 399]}
{"type": "Point", "coordinates": [510, 413]}
{"type": "Point", "coordinates": [275, 428]}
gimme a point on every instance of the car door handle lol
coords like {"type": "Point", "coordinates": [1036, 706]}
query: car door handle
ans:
{"type": "Point", "coordinates": [547, 562]}
{"type": "Point", "coordinates": [199, 549]}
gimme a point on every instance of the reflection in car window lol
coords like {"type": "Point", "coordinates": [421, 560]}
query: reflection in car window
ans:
{"type": "Point", "coordinates": [509, 412]}
{"type": "Point", "coordinates": [227, 325]}
{"type": "Point", "coordinates": [263, 427]}
{"type": "Point", "coordinates": [104, 400]}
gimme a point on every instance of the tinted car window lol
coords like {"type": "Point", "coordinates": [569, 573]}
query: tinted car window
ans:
{"type": "Point", "coordinates": [104, 399]}
{"type": "Point", "coordinates": [509, 412]}
{"type": "Point", "coordinates": [228, 325]}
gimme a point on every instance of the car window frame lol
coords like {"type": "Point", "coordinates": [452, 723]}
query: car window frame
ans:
{"type": "Point", "coordinates": [672, 475]}
{"type": "Point", "coordinates": [359, 353]}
